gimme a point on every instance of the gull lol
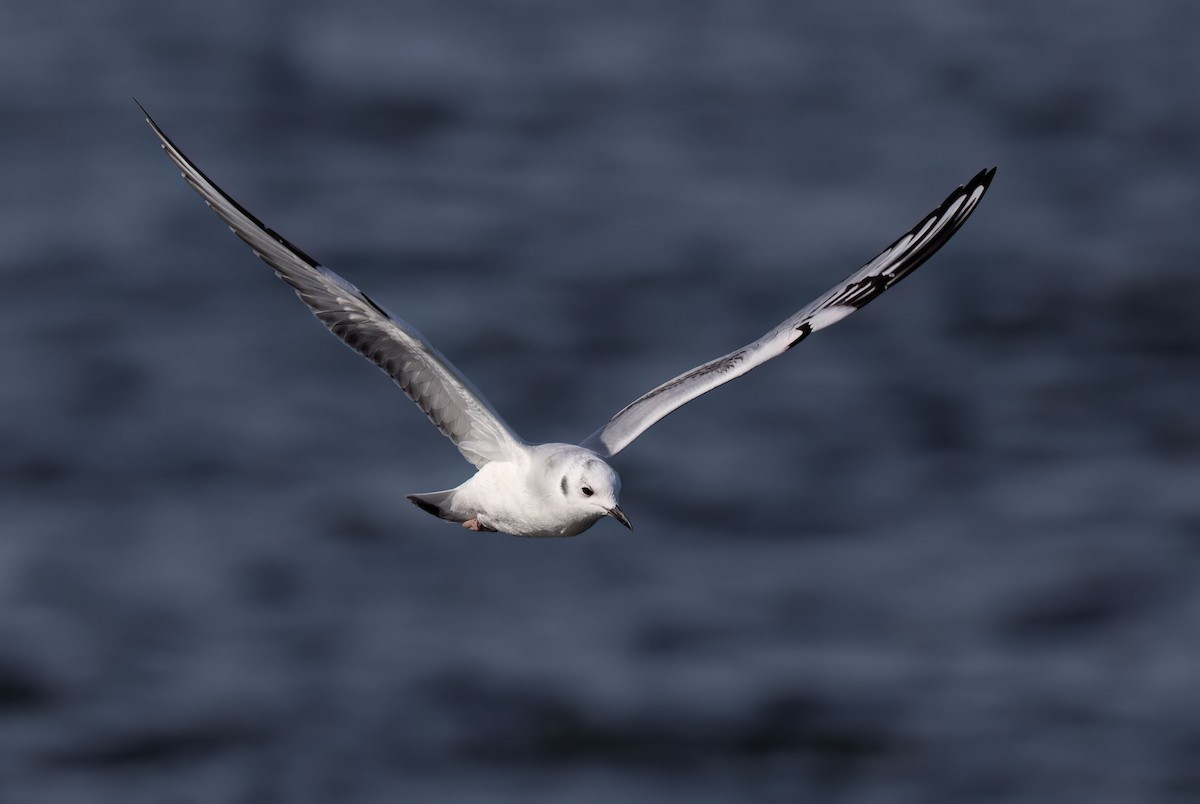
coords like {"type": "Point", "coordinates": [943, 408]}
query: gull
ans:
{"type": "Point", "coordinates": [528, 489]}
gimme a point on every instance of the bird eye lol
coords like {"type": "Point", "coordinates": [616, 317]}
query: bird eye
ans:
{"type": "Point", "coordinates": [587, 491]}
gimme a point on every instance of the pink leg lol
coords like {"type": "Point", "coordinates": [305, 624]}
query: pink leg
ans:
{"type": "Point", "coordinates": [476, 525]}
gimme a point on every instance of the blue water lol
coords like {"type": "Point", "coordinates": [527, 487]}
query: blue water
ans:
{"type": "Point", "coordinates": [948, 550]}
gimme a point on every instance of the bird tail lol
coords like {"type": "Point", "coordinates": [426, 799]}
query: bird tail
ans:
{"type": "Point", "coordinates": [437, 503]}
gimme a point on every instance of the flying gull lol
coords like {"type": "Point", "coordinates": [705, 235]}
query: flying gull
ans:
{"type": "Point", "coordinates": [547, 489]}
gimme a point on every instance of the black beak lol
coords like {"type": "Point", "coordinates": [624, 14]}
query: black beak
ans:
{"type": "Point", "coordinates": [616, 513]}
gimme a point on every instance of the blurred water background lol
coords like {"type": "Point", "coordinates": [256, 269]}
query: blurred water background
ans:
{"type": "Point", "coordinates": [946, 551]}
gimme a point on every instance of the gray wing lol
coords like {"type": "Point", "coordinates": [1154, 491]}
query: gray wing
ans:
{"type": "Point", "coordinates": [446, 396]}
{"type": "Point", "coordinates": [893, 264]}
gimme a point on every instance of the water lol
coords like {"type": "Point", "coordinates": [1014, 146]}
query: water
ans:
{"type": "Point", "coordinates": [946, 551]}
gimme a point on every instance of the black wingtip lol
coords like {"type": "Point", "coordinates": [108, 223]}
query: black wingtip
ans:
{"type": "Point", "coordinates": [984, 177]}
{"type": "Point", "coordinates": [150, 120]}
{"type": "Point", "coordinates": [981, 180]}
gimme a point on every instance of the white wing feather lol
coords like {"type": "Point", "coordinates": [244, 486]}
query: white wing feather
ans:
{"type": "Point", "coordinates": [893, 264]}
{"type": "Point", "coordinates": [449, 400]}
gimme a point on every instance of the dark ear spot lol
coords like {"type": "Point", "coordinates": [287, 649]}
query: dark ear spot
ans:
{"type": "Point", "coordinates": [563, 485]}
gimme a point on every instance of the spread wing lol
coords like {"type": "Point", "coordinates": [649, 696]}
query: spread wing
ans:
{"type": "Point", "coordinates": [449, 400]}
{"type": "Point", "coordinates": [893, 264]}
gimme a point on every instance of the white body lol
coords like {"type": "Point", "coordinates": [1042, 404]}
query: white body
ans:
{"type": "Point", "coordinates": [538, 494]}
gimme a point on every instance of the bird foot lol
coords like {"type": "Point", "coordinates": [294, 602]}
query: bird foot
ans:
{"type": "Point", "coordinates": [476, 525]}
